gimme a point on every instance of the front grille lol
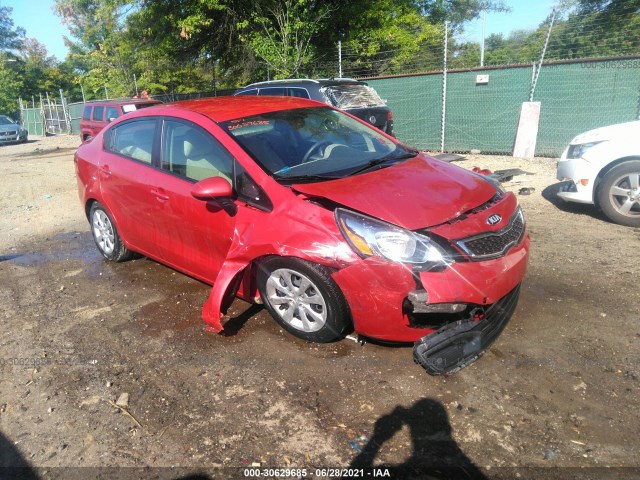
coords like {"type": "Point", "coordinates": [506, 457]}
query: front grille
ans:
{"type": "Point", "coordinates": [494, 244]}
{"type": "Point", "coordinates": [6, 134]}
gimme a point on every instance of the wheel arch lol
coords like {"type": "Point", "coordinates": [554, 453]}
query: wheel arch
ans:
{"type": "Point", "coordinates": [87, 207]}
{"type": "Point", "coordinates": [248, 285]}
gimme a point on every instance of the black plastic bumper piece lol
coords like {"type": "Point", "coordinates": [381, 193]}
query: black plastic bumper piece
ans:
{"type": "Point", "coordinates": [461, 343]}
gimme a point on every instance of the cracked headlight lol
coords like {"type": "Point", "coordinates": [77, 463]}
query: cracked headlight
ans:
{"type": "Point", "coordinates": [369, 236]}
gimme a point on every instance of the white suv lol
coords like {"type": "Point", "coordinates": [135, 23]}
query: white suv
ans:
{"type": "Point", "coordinates": [602, 167]}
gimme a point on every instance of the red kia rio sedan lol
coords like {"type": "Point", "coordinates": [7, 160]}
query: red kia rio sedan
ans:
{"type": "Point", "coordinates": [331, 224]}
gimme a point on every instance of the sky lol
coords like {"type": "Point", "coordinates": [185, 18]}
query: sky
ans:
{"type": "Point", "coordinates": [38, 19]}
{"type": "Point", "coordinates": [524, 14]}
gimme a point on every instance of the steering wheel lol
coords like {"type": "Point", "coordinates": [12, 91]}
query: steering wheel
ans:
{"type": "Point", "coordinates": [313, 148]}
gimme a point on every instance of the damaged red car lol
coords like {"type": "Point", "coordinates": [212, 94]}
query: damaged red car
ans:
{"type": "Point", "coordinates": [331, 224]}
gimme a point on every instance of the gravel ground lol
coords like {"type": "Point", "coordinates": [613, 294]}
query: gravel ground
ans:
{"type": "Point", "coordinates": [556, 396]}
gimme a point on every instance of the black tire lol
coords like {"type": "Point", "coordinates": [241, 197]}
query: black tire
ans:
{"type": "Point", "coordinates": [106, 235]}
{"type": "Point", "coordinates": [619, 191]}
{"type": "Point", "coordinates": [325, 310]}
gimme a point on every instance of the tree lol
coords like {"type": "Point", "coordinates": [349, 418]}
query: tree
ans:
{"type": "Point", "coordinates": [99, 53]}
{"type": "Point", "coordinates": [281, 35]}
{"type": "Point", "coordinates": [10, 36]}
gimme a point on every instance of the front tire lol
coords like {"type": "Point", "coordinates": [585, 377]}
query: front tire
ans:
{"type": "Point", "coordinates": [303, 298]}
{"type": "Point", "coordinates": [106, 235]}
{"type": "Point", "coordinates": [619, 194]}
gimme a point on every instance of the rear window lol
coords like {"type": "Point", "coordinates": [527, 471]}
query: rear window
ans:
{"type": "Point", "coordinates": [273, 91]}
{"type": "Point", "coordinates": [253, 91]}
{"type": "Point", "coordinates": [98, 113]}
{"type": "Point", "coordinates": [353, 96]}
{"type": "Point", "coordinates": [298, 92]}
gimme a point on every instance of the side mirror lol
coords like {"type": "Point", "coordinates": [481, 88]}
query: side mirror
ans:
{"type": "Point", "coordinates": [211, 188]}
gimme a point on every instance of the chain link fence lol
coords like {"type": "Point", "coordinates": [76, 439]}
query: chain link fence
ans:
{"type": "Point", "coordinates": [57, 116]}
{"type": "Point", "coordinates": [574, 96]}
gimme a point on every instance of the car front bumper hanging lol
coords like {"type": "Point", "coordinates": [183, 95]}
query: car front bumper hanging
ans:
{"type": "Point", "coordinates": [461, 343]}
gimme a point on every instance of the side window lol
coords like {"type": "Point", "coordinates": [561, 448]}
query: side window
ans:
{"type": "Point", "coordinates": [112, 113]}
{"type": "Point", "coordinates": [298, 92]}
{"type": "Point", "coordinates": [133, 139]}
{"type": "Point", "coordinates": [253, 91]}
{"type": "Point", "coordinates": [193, 153]}
{"type": "Point", "coordinates": [86, 113]}
{"type": "Point", "coordinates": [97, 113]}
{"type": "Point", "coordinates": [273, 91]}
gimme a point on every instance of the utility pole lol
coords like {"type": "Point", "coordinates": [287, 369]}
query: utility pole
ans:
{"type": "Point", "coordinates": [444, 85]}
{"type": "Point", "coordinates": [484, 20]}
{"type": "Point", "coordinates": [339, 58]}
{"type": "Point", "coordinates": [135, 83]}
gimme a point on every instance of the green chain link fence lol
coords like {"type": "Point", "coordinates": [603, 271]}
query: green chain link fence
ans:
{"type": "Point", "coordinates": [574, 96]}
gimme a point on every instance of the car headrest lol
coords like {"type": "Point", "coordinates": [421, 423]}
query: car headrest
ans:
{"type": "Point", "coordinates": [196, 145]}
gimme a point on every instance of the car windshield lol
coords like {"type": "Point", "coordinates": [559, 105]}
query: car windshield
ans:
{"type": "Point", "coordinates": [4, 120]}
{"type": "Point", "coordinates": [312, 144]}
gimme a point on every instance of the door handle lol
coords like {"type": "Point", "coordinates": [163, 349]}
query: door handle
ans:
{"type": "Point", "coordinates": [105, 170]}
{"type": "Point", "coordinates": [160, 195]}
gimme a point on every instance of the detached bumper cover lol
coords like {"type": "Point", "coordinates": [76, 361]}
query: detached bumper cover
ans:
{"type": "Point", "coordinates": [459, 344]}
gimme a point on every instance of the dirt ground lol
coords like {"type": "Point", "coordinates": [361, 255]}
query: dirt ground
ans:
{"type": "Point", "coordinates": [556, 396]}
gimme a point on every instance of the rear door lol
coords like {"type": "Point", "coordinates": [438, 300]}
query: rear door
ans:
{"type": "Point", "coordinates": [127, 182]}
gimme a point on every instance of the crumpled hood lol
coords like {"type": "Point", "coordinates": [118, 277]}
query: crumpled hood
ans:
{"type": "Point", "coordinates": [629, 130]}
{"type": "Point", "coordinates": [418, 193]}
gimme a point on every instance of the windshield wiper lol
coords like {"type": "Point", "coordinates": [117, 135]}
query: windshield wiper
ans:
{"type": "Point", "coordinates": [304, 178]}
{"type": "Point", "coordinates": [379, 161]}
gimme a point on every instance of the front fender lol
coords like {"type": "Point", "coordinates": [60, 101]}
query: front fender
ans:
{"type": "Point", "coordinates": [297, 229]}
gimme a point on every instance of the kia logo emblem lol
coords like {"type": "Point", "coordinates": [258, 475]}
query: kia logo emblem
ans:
{"type": "Point", "coordinates": [494, 219]}
{"type": "Point", "coordinates": [372, 119]}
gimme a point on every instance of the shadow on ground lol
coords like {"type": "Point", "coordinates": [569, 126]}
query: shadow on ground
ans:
{"type": "Point", "coordinates": [435, 453]}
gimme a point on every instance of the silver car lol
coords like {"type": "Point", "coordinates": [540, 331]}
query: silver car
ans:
{"type": "Point", "coordinates": [10, 131]}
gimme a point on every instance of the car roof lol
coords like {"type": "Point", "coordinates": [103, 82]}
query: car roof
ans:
{"type": "Point", "coordinates": [304, 81]}
{"type": "Point", "coordinates": [123, 101]}
{"type": "Point", "coordinates": [222, 109]}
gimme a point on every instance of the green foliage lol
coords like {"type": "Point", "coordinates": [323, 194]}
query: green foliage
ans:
{"type": "Point", "coordinates": [181, 46]}
{"type": "Point", "coordinates": [10, 36]}
{"type": "Point", "coordinates": [10, 86]}
{"type": "Point", "coordinates": [281, 35]}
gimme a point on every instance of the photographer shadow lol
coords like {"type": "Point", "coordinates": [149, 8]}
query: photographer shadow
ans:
{"type": "Point", "coordinates": [435, 454]}
{"type": "Point", "coordinates": [13, 465]}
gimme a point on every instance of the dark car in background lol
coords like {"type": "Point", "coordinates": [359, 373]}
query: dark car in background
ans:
{"type": "Point", "coordinates": [97, 115]}
{"type": "Point", "coordinates": [347, 94]}
{"type": "Point", "coordinates": [10, 131]}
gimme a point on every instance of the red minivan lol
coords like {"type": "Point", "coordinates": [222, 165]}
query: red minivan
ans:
{"type": "Point", "coordinates": [331, 224]}
{"type": "Point", "coordinates": [97, 115]}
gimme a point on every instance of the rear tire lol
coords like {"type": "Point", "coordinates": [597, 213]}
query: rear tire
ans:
{"type": "Point", "coordinates": [619, 194]}
{"type": "Point", "coordinates": [303, 298]}
{"type": "Point", "coordinates": [106, 235]}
